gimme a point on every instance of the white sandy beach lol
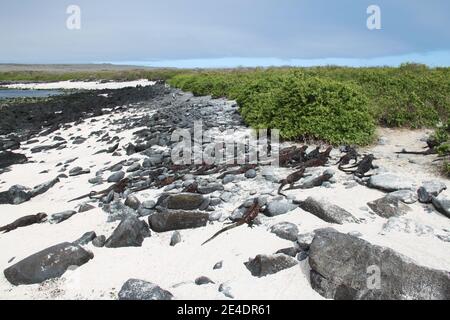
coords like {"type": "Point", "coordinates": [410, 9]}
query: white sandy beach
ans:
{"type": "Point", "coordinates": [176, 268]}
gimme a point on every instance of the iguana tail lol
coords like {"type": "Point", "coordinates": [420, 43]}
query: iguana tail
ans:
{"type": "Point", "coordinates": [234, 225]}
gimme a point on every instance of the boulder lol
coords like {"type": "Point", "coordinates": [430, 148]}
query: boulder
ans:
{"type": "Point", "coordinates": [405, 196]}
{"type": "Point", "coordinates": [85, 238]}
{"type": "Point", "coordinates": [131, 232]}
{"type": "Point", "coordinates": [47, 264]}
{"type": "Point", "coordinates": [8, 158]}
{"type": "Point", "coordinates": [172, 220]}
{"type": "Point", "coordinates": [210, 188]}
{"type": "Point", "coordinates": [17, 194]}
{"type": "Point", "coordinates": [279, 207]}
{"type": "Point", "coordinates": [388, 207]}
{"type": "Point", "coordinates": [117, 211]}
{"type": "Point", "coordinates": [135, 289]}
{"type": "Point", "coordinates": [430, 189]}
{"type": "Point", "coordinates": [442, 204]}
{"type": "Point", "coordinates": [61, 216]}
{"type": "Point", "coordinates": [285, 230]}
{"type": "Point", "coordinates": [116, 177]}
{"type": "Point", "coordinates": [263, 265]}
{"type": "Point", "coordinates": [182, 201]}
{"type": "Point", "coordinates": [327, 211]}
{"type": "Point", "coordinates": [345, 268]}
{"type": "Point", "coordinates": [44, 187]}
{"type": "Point", "coordinates": [133, 202]}
{"type": "Point", "coordinates": [250, 174]}
{"type": "Point", "coordinates": [390, 182]}
{"type": "Point", "coordinates": [77, 171]}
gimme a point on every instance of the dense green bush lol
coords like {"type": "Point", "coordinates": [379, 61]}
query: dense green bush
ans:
{"type": "Point", "coordinates": [412, 95]}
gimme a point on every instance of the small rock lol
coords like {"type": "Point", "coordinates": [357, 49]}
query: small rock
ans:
{"type": "Point", "coordinates": [133, 202]}
{"type": "Point", "coordinates": [218, 265]}
{"type": "Point", "coordinates": [175, 239]}
{"type": "Point", "coordinates": [85, 238]}
{"type": "Point", "coordinates": [263, 265]}
{"type": "Point", "coordinates": [203, 280]}
{"type": "Point", "coordinates": [135, 289]}
{"type": "Point", "coordinates": [285, 230]}
{"type": "Point", "coordinates": [85, 207]}
{"type": "Point", "coordinates": [226, 290]}
{"type": "Point", "coordinates": [61, 216]}
{"type": "Point", "coordinates": [116, 177]}
{"type": "Point", "coordinates": [279, 207]}
{"type": "Point", "coordinates": [99, 241]}
{"type": "Point", "coordinates": [250, 174]}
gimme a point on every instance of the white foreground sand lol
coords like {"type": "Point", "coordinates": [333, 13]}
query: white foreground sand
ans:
{"type": "Point", "coordinates": [81, 85]}
{"type": "Point", "coordinates": [175, 268]}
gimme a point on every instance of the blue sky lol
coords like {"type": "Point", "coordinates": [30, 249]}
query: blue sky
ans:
{"type": "Point", "coordinates": [213, 33]}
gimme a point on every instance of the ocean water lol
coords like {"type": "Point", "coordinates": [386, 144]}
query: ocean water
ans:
{"type": "Point", "coordinates": [14, 93]}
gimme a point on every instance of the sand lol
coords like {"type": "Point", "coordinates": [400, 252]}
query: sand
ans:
{"type": "Point", "coordinates": [176, 268]}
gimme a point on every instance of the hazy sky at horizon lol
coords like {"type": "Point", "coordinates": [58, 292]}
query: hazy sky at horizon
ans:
{"type": "Point", "coordinates": [233, 32]}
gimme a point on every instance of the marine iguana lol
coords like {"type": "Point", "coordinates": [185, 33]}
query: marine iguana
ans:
{"type": "Point", "coordinates": [364, 166]}
{"type": "Point", "coordinates": [248, 218]}
{"type": "Point", "coordinates": [24, 222]}
{"type": "Point", "coordinates": [351, 154]}
{"type": "Point", "coordinates": [316, 182]}
{"type": "Point", "coordinates": [291, 179]}
{"type": "Point", "coordinates": [119, 187]}
{"type": "Point", "coordinates": [241, 170]}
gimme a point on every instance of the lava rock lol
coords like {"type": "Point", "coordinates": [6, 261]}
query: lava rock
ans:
{"type": "Point", "coordinates": [263, 265]}
{"type": "Point", "coordinates": [8, 158]}
{"type": "Point", "coordinates": [388, 207]}
{"type": "Point", "coordinates": [430, 189]}
{"type": "Point", "coordinates": [133, 202]}
{"type": "Point", "coordinates": [285, 230]}
{"type": "Point", "coordinates": [210, 188]}
{"type": "Point", "coordinates": [406, 196]}
{"type": "Point", "coordinates": [135, 289]}
{"type": "Point", "coordinates": [47, 264]}
{"type": "Point", "coordinates": [131, 232]}
{"type": "Point", "coordinates": [203, 280]}
{"type": "Point", "coordinates": [84, 207]}
{"type": "Point", "coordinates": [327, 211]}
{"type": "Point", "coordinates": [172, 220]}
{"type": "Point", "coordinates": [85, 238]}
{"type": "Point", "coordinates": [442, 204]}
{"type": "Point", "coordinates": [61, 216]}
{"type": "Point", "coordinates": [175, 239]}
{"type": "Point", "coordinates": [341, 265]}
{"type": "Point", "coordinates": [99, 241]}
{"type": "Point", "coordinates": [116, 177]}
{"type": "Point", "coordinates": [250, 174]}
{"type": "Point", "coordinates": [279, 207]}
{"type": "Point", "coordinates": [389, 182]}
{"type": "Point", "coordinates": [44, 187]}
{"type": "Point", "coordinates": [17, 194]}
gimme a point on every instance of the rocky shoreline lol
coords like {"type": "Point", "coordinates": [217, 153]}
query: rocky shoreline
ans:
{"type": "Point", "coordinates": [124, 222]}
